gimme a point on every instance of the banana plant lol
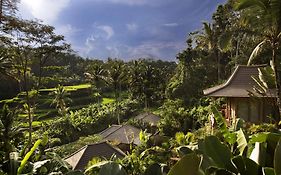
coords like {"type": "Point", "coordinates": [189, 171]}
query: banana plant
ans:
{"type": "Point", "coordinates": [213, 157]}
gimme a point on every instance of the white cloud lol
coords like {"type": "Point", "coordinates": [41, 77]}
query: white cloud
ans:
{"type": "Point", "coordinates": [46, 10]}
{"type": "Point", "coordinates": [89, 45]}
{"type": "Point", "coordinates": [108, 31]}
{"type": "Point", "coordinates": [66, 30]}
{"type": "Point", "coordinates": [153, 49]}
{"type": "Point", "coordinates": [171, 24]}
{"type": "Point", "coordinates": [99, 41]}
{"type": "Point", "coordinates": [132, 27]}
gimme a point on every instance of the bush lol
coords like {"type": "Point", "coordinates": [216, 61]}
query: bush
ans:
{"type": "Point", "coordinates": [142, 125]}
{"type": "Point", "coordinates": [264, 127]}
{"type": "Point", "coordinates": [97, 117]}
{"type": "Point", "coordinates": [64, 130]}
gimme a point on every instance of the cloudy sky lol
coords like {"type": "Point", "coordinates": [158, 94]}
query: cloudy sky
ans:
{"type": "Point", "coordinates": [127, 29]}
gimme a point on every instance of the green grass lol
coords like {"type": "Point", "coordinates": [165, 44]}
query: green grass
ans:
{"type": "Point", "coordinates": [35, 124]}
{"type": "Point", "coordinates": [10, 100]}
{"type": "Point", "coordinates": [107, 100]}
{"type": "Point", "coordinates": [70, 88]}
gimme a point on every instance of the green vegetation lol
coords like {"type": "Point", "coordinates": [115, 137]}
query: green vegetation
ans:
{"type": "Point", "coordinates": [55, 102]}
{"type": "Point", "coordinates": [107, 100]}
{"type": "Point", "coordinates": [70, 148]}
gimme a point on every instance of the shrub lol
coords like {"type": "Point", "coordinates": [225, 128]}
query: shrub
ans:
{"type": "Point", "coordinates": [97, 117]}
{"type": "Point", "coordinates": [264, 127]}
{"type": "Point", "coordinates": [64, 130]}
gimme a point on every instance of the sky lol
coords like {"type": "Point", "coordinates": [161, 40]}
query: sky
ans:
{"type": "Point", "coordinates": [125, 29]}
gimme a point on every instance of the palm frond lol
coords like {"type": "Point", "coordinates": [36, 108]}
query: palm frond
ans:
{"type": "Point", "coordinates": [276, 13]}
{"type": "Point", "coordinates": [225, 41]}
{"type": "Point", "coordinates": [244, 4]}
{"type": "Point", "coordinates": [256, 51]}
{"type": "Point", "coordinates": [279, 36]}
{"type": "Point", "coordinates": [267, 76]}
{"type": "Point", "coordinates": [207, 28]}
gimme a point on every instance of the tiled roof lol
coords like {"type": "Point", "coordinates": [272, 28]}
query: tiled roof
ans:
{"type": "Point", "coordinates": [79, 159]}
{"type": "Point", "coordinates": [149, 118]}
{"type": "Point", "coordinates": [238, 85]}
{"type": "Point", "coordinates": [122, 134]}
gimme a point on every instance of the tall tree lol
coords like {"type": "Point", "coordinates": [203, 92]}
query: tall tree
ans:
{"type": "Point", "coordinates": [7, 7]}
{"type": "Point", "coordinates": [135, 78]}
{"type": "Point", "coordinates": [115, 76]}
{"type": "Point", "coordinates": [96, 72]}
{"type": "Point", "coordinates": [60, 100]}
{"type": "Point", "coordinates": [28, 41]}
{"type": "Point", "coordinates": [209, 41]}
{"type": "Point", "coordinates": [267, 15]}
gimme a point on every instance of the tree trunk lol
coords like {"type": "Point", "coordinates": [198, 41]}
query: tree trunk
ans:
{"type": "Point", "coordinates": [276, 67]}
{"type": "Point", "coordinates": [40, 75]}
{"type": "Point", "coordinates": [28, 102]}
{"type": "Point", "coordinates": [217, 56]}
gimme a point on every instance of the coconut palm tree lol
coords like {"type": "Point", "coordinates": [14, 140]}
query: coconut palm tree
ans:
{"type": "Point", "coordinates": [115, 76]}
{"type": "Point", "coordinates": [135, 78]}
{"type": "Point", "coordinates": [268, 16]}
{"type": "Point", "coordinates": [95, 73]}
{"type": "Point", "coordinates": [209, 40]}
{"type": "Point", "coordinates": [59, 100]}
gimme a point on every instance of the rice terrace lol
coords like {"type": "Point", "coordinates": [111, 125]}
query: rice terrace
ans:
{"type": "Point", "coordinates": [139, 87]}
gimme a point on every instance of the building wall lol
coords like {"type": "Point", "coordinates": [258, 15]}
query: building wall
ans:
{"type": "Point", "coordinates": [253, 110]}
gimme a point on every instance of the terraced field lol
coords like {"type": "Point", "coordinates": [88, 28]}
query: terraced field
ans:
{"type": "Point", "coordinates": [80, 95]}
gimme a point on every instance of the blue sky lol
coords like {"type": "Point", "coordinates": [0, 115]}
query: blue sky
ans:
{"type": "Point", "coordinates": [127, 29]}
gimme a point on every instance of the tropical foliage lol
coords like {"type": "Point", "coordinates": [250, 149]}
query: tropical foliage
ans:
{"type": "Point", "coordinates": [54, 101]}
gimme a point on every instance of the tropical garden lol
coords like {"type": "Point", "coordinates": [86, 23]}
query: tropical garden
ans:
{"type": "Point", "coordinates": [53, 101]}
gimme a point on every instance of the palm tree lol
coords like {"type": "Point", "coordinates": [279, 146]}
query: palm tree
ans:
{"type": "Point", "coordinates": [209, 40]}
{"type": "Point", "coordinates": [268, 14]}
{"type": "Point", "coordinates": [143, 80]}
{"type": "Point", "coordinates": [114, 78]}
{"type": "Point", "coordinates": [59, 100]}
{"type": "Point", "coordinates": [148, 81]}
{"type": "Point", "coordinates": [95, 74]}
{"type": "Point", "coordinates": [135, 78]}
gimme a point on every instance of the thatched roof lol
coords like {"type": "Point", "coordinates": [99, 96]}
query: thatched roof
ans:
{"type": "Point", "coordinates": [148, 118]}
{"type": "Point", "coordinates": [79, 159]}
{"type": "Point", "coordinates": [122, 134]}
{"type": "Point", "coordinates": [239, 84]}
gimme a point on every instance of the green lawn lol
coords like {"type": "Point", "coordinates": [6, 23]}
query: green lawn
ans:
{"type": "Point", "coordinates": [70, 88]}
{"type": "Point", "coordinates": [107, 100]}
